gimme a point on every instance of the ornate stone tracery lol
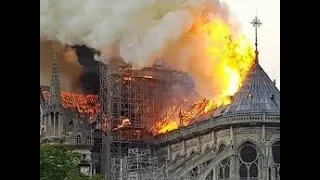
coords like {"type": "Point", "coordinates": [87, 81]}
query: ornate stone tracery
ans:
{"type": "Point", "coordinates": [249, 162]}
{"type": "Point", "coordinates": [274, 170]}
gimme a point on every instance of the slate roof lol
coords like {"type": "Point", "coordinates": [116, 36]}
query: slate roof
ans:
{"type": "Point", "coordinates": [258, 94]}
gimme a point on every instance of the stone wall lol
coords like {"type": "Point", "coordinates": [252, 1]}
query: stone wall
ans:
{"type": "Point", "coordinates": [176, 153]}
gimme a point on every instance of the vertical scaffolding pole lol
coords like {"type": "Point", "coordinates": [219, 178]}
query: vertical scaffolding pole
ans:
{"type": "Point", "coordinates": [140, 164]}
{"type": "Point", "coordinates": [111, 110]}
{"type": "Point", "coordinates": [124, 94]}
{"type": "Point", "coordinates": [102, 118]}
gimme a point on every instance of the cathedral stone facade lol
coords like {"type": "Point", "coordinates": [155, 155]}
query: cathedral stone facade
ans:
{"type": "Point", "coordinates": [62, 125]}
{"type": "Point", "coordinates": [239, 142]}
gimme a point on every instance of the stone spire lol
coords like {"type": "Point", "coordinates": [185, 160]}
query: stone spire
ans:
{"type": "Point", "coordinates": [55, 99]}
{"type": "Point", "coordinates": [256, 23]}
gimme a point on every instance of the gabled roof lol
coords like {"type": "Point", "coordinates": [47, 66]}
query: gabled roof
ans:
{"type": "Point", "coordinates": [83, 103]}
{"type": "Point", "coordinates": [258, 94]}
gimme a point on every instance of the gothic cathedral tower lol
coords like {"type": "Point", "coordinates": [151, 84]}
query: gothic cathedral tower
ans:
{"type": "Point", "coordinates": [55, 120]}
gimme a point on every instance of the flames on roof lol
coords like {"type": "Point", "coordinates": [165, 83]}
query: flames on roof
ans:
{"type": "Point", "coordinates": [83, 104]}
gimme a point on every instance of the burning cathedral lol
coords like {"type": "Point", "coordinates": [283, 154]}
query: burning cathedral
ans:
{"type": "Point", "coordinates": [127, 132]}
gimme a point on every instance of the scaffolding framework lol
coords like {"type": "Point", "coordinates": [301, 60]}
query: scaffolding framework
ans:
{"type": "Point", "coordinates": [125, 94]}
{"type": "Point", "coordinates": [139, 164]}
{"type": "Point", "coordinates": [137, 97]}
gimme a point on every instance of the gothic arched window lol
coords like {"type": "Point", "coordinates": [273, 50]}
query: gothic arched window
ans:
{"type": "Point", "coordinates": [224, 169]}
{"type": "Point", "coordinates": [224, 166]}
{"type": "Point", "coordinates": [276, 152]}
{"type": "Point", "coordinates": [51, 123]}
{"type": "Point", "coordinates": [221, 148]}
{"type": "Point", "coordinates": [52, 118]}
{"type": "Point", "coordinates": [57, 116]}
{"type": "Point", "coordinates": [276, 159]}
{"type": "Point", "coordinates": [248, 162]}
{"type": "Point", "coordinates": [78, 139]}
{"type": "Point", "coordinates": [57, 128]}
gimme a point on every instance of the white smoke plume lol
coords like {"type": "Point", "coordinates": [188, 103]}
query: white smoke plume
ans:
{"type": "Point", "coordinates": [138, 31]}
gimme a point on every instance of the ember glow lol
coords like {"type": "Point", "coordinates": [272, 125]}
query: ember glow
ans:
{"type": "Point", "coordinates": [231, 57]}
{"type": "Point", "coordinates": [83, 104]}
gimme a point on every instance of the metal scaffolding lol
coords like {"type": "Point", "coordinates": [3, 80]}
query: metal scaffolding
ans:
{"type": "Point", "coordinates": [139, 164]}
{"type": "Point", "coordinates": [128, 108]}
{"type": "Point", "coordinates": [131, 101]}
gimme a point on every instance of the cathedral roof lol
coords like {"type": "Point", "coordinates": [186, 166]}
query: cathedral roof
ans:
{"type": "Point", "coordinates": [73, 116]}
{"type": "Point", "coordinates": [75, 102]}
{"type": "Point", "coordinates": [258, 94]}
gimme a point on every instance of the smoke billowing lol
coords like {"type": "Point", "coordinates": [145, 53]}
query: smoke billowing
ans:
{"type": "Point", "coordinates": [78, 70]}
{"type": "Point", "coordinates": [70, 69]}
{"type": "Point", "coordinates": [139, 31]}
{"type": "Point", "coordinates": [89, 79]}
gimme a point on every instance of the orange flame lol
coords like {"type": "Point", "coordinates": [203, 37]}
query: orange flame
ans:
{"type": "Point", "coordinates": [231, 56]}
{"type": "Point", "coordinates": [124, 123]}
{"type": "Point", "coordinates": [235, 55]}
{"type": "Point", "coordinates": [83, 104]}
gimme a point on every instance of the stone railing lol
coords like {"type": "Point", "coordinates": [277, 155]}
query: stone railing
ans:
{"type": "Point", "coordinates": [76, 141]}
{"type": "Point", "coordinates": [214, 122]}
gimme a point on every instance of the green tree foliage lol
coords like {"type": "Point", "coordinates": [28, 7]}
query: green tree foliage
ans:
{"type": "Point", "coordinates": [57, 161]}
{"type": "Point", "coordinates": [60, 162]}
{"type": "Point", "coordinates": [81, 177]}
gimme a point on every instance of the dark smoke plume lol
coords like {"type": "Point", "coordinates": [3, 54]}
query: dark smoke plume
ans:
{"type": "Point", "coordinates": [70, 69]}
{"type": "Point", "coordinates": [89, 79]}
{"type": "Point", "coordinates": [78, 70]}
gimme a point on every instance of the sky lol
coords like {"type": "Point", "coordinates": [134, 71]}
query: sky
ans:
{"type": "Point", "coordinates": [268, 12]}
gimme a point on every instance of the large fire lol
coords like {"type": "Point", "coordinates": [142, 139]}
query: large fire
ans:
{"type": "Point", "coordinates": [235, 54]}
{"type": "Point", "coordinates": [83, 104]}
